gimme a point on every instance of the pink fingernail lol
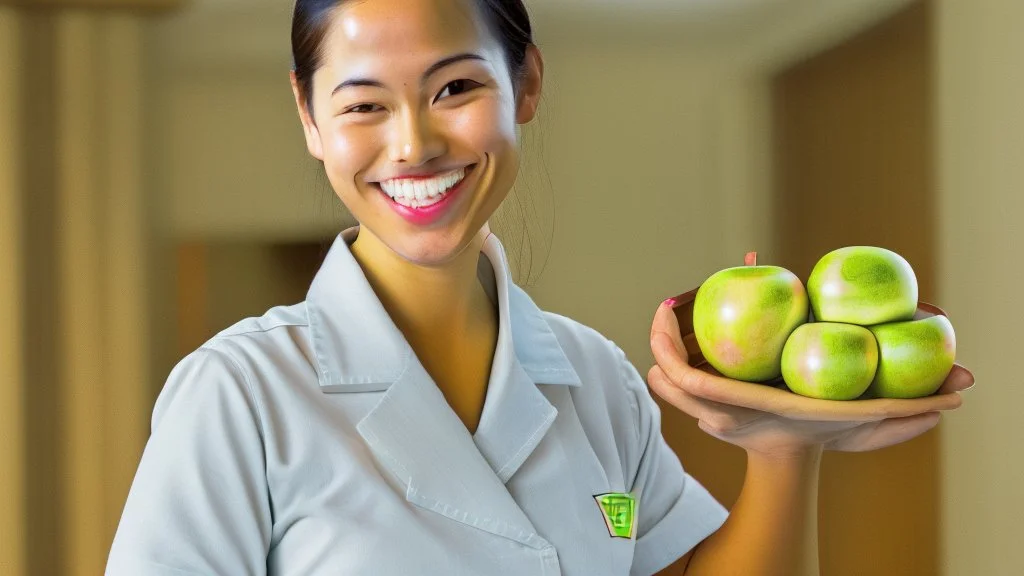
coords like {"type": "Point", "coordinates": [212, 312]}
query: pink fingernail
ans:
{"type": "Point", "coordinates": [670, 301]}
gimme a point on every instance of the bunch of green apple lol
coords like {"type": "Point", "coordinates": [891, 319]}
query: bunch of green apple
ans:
{"type": "Point", "coordinates": [851, 333]}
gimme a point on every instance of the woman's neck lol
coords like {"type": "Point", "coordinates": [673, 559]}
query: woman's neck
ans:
{"type": "Point", "coordinates": [426, 303]}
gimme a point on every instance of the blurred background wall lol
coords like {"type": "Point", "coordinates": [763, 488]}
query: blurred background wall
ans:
{"type": "Point", "coordinates": [154, 189]}
{"type": "Point", "coordinates": [980, 173]}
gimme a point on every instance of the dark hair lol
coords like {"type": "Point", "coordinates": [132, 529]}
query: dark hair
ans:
{"type": "Point", "coordinates": [508, 20]}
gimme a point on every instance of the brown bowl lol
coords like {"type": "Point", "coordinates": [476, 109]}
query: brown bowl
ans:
{"type": "Point", "coordinates": [684, 314]}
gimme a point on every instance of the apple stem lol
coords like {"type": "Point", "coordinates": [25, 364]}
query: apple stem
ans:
{"type": "Point", "coordinates": [750, 259]}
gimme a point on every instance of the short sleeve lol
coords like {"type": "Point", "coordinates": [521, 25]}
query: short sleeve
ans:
{"type": "Point", "coordinates": [674, 511]}
{"type": "Point", "coordinates": [199, 503]}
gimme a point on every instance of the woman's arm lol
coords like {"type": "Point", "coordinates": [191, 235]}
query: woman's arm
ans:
{"type": "Point", "coordinates": [200, 502]}
{"type": "Point", "coordinates": [773, 527]}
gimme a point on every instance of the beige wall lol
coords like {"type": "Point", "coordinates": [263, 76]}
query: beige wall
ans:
{"type": "Point", "coordinates": [228, 159]}
{"type": "Point", "coordinates": [655, 178]}
{"type": "Point", "coordinates": [980, 120]}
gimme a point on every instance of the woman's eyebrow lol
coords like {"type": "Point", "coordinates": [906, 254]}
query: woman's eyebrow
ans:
{"type": "Point", "coordinates": [431, 70]}
{"type": "Point", "coordinates": [448, 62]}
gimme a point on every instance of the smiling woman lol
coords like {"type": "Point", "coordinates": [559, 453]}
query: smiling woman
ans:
{"type": "Point", "coordinates": [417, 413]}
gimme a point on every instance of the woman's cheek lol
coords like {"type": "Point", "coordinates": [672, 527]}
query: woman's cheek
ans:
{"type": "Point", "coordinates": [486, 127]}
{"type": "Point", "coordinates": [349, 151]}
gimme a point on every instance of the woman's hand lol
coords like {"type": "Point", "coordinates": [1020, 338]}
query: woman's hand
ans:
{"type": "Point", "coordinates": [779, 423]}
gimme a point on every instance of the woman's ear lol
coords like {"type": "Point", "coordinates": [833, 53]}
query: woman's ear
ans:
{"type": "Point", "coordinates": [313, 142]}
{"type": "Point", "coordinates": [530, 86]}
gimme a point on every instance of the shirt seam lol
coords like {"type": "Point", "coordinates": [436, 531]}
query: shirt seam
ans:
{"type": "Point", "coordinates": [536, 368]}
{"type": "Point", "coordinates": [228, 332]}
{"type": "Point", "coordinates": [635, 410]}
{"type": "Point", "coordinates": [174, 568]}
{"type": "Point", "coordinates": [214, 347]}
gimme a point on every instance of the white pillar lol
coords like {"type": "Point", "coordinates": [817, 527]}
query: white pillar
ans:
{"type": "Point", "coordinates": [12, 377]}
{"type": "Point", "coordinates": [101, 248]}
{"type": "Point", "coordinates": [980, 131]}
{"type": "Point", "coordinates": [125, 237]}
{"type": "Point", "coordinates": [80, 283]}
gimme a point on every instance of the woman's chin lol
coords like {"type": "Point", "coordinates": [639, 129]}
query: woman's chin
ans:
{"type": "Point", "coordinates": [434, 249]}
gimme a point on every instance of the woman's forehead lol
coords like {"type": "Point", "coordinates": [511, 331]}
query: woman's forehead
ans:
{"type": "Point", "coordinates": [387, 28]}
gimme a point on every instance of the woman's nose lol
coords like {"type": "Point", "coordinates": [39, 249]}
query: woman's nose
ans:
{"type": "Point", "coordinates": [416, 140]}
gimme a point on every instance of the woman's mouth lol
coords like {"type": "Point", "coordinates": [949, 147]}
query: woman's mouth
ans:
{"type": "Point", "coordinates": [422, 192]}
{"type": "Point", "coordinates": [424, 201]}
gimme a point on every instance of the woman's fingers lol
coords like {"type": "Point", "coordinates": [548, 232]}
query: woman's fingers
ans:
{"type": "Point", "coordinates": [959, 378]}
{"type": "Point", "coordinates": [875, 435]}
{"type": "Point", "coordinates": [665, 322]}
{"type": "Point", "coordinates": [674, 395]}
{"type": "Point", "coordinates": [783, 402]}
{"type": "Point", "coordinates": [716, 416]}
{"type": "Point", "coordinates": [683, 308]}
{"type": "Point", "coordinates": [717, 388]}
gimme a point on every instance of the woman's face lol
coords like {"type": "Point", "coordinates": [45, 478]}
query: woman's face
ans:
{"type": "Point", "coordinates": [414, 118]}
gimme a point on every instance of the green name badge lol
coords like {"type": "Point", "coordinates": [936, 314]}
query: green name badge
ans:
{"type": "Point", "coordinates": [619, 510]}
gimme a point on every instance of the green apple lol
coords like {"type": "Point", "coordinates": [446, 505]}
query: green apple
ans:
{"type": "Point", "coordinates": [862, 285]}
{"type": "Point", "coordinates": [914, 357]}
{"type": "Point", "coordinates": [742, 317]}
{"type": "Point", "coordinates": [830, 360]}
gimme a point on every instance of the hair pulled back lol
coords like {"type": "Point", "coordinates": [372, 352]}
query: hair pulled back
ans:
{"type": "Point", "coordinates": [508, 21]}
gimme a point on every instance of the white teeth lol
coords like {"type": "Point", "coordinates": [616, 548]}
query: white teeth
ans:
{"type": "Point", "coordinates": [416, 193]}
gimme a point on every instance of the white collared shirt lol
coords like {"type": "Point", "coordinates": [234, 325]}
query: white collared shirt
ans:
{"type": "Point", "coordinates": [311, 441]}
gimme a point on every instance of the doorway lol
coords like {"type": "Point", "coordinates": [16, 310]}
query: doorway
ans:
{"type": "Point", "coordinates": [853, 166]}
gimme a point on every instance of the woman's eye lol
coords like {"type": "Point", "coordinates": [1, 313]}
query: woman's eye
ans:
{"type": "Point", "coordinates": [457, 87]}
{"type": "Point", "coordinates": [363, 108]}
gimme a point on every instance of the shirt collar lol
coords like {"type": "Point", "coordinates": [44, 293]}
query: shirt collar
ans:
{"type": "Point", "coordinates": [358, 348]}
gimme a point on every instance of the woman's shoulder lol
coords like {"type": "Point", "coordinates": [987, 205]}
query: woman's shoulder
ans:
{"type": "Point", "coordinates": [598, 361]}
{"type": "Point", "coordinates": [278, 329]}
{"type": "Point", "coordinates": [275, 343]}
{"type": "Point", "coordinates": [584, 344]}
{"type": "Point", "coordinates": [603, 368]}
{"type": "Point", "coordinates": [577, 338]}
{"type": "Point", "coordinates": [285, 316]}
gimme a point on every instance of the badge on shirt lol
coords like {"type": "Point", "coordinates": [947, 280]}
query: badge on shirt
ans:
{"type": "Point", "coordinates": [619, 510]}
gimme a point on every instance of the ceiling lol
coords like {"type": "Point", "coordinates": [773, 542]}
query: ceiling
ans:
{"type": "Point", "coordinates": [698, 7]}
{"type": "Point", "coordinates": [679, 10]}
{"type": "Point", "coordinates": [241, 30]}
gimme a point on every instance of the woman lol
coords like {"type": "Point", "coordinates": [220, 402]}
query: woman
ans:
{"type": "Point", "coordinates": [418, 414]}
